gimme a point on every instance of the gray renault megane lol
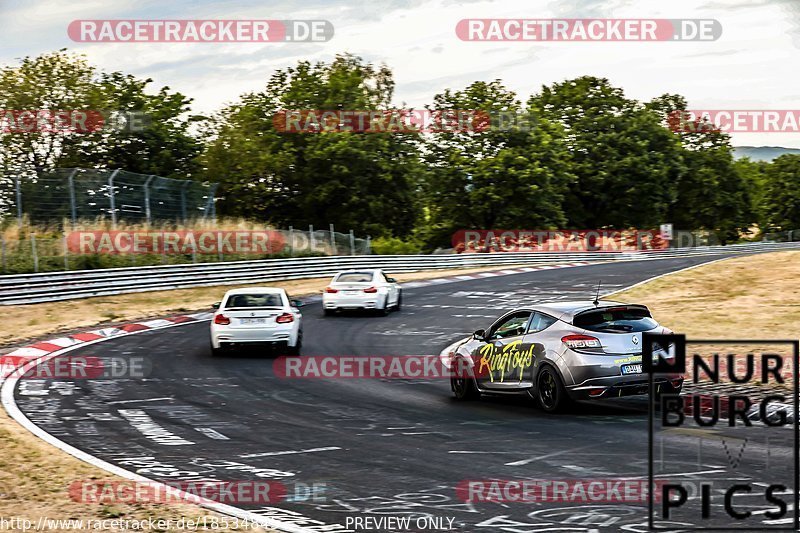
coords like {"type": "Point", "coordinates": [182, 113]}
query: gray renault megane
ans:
{"type": "Point", "coordinates": [558, 352]}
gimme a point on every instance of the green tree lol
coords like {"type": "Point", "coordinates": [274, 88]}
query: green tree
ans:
{"type": "Point", "coordinates": [500, 177]}
{"type": "Point", "coordinates": [781, 200]}
{"type": "Point", "coordinates": [367, 182]}
{"type": "Point", "coordinates": [624, 161]}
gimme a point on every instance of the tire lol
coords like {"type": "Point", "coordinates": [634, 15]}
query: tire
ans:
{"type": "Point", "coordinates": [216, 352]}
{"type": "Point", "coordinates": [550, 392]}
{"type": "Point", "coordinates": [385, 311]}
{"type": "Point", "coordinates": [329, 312]}
{"type": "Point", "coordinates": [464, 388]}
{"type": "Point", "coordinates": [399, 303]}
{"type": "Point", "coordinates": [296, 349]}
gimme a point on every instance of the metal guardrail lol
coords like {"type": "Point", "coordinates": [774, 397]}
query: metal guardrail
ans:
{"type": "Point", "coordinates": [55, 286]}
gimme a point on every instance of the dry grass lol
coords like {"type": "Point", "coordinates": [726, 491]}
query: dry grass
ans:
{"type": "Point", "coordinates": [752, 297]}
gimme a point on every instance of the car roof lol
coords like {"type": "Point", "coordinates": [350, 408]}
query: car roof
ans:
{"type": "Point", "coordinates": [567, 310]}
{"type": "Point", "coordinates": [255, 290]}
{"type": "Point", "coordinates": [358, 270]}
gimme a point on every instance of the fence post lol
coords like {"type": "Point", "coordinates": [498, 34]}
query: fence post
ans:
{"type": "Point", "coordinates": [3, 248]}
{"type": "Point", "coordinates": [333, 241]}
{"type": "Point", "coordinates": [112, 199]}
{"type": "Point", "coordinates": [291, 241]}
{"type": "Point", "coordinates": [369, 245]}
{"type": "Point", "coordinates": [147, 197]}
{"type": "Point", "coordinates": [19, 200]}
{"type": "Point", "coordinates": [352, 243]}
{"type": "Point", "coordinates": [183, 200]}
{"type": "Point", "coordinates": [66, 253]}
{"type": "Point", "coordinates": [311, 242]}
{"type": "Point", "coordinates": [34, 253]}
{"type": "Point", "coordinates": [210, 203]}
{"type": "Point", "coordinates": [73, 209]}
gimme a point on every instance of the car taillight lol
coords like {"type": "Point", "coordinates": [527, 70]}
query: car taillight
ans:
{"type": "Point", "coordinates": [285, 318]}
{"type": "Point", "coordinates": [370, 289]}
{"type": "Point", "coordinates": [581, 341]}
{"type": "Point", "coordinates": [221, 319]}
{"type": "Point", "coordinates": [330, 290]}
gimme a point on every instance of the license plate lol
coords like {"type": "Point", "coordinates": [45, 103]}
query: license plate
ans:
{"type": "Point", "coordinates": [352, 292]}
{"type": "Point", "coordinates": [631, 369]}
{"type": "Point", "coordinates": [254, 321]}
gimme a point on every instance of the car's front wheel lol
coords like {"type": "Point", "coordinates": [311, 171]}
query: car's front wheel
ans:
{"type": "Point", "coordinates": [550, 391]}
{"type": "Point", "coordinates": [463, 386]}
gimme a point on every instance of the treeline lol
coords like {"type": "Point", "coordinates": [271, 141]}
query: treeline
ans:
{"type": "Point", "coordinates": [594, 158]}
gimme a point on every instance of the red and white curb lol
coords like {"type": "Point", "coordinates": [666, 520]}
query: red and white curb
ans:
{"type": "Point", "coordinates": [11, 360]}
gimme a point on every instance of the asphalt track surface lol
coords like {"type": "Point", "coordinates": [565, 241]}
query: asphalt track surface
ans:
{"type": "Point", "coordinates": [380, 447]}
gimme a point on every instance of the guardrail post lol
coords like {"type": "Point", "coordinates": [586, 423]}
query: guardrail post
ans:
{"type": "Point", "coordinates": [18, 190]}
{"type": "Point", "coordinates": [333, 241]}
{"type": "Point", "coordinates": [369, 245]}
{"type": "Point", "coordinates": [312, 242]}
{"type": "Point", "coordinates": [111, 198]}
{"type": "Point", "coordinates": [352, 243]}
{"type": "Point", "coordinates": [147, 197]}
{"type": "Point", "coordinates": [34, 253]}
{"type": "Point", "coordinates": [291, 241]}
{"type": "Point", "coordinates": [71, 185]}
{"type": "Point", "coordinates": [66, 253]}
{"type": "Point", "coordinates": [3, 250]}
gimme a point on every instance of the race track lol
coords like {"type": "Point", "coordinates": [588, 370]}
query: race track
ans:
{"type": "Point", "coordinates": [380, 447]}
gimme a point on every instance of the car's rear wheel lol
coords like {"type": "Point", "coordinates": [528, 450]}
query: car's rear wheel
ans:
{"type": "Point", "coordinates": [399, 303]}
{"type": "Point", "coordinates": [464, 387]}
{"type": "Point", "coordinates": [216, 352]}
{"type": "Point", "coordinates": [295, 350]}
{"type": "Point", "coordinates": [550, 392]}
{"type": "Point", "coordinates": [329, 312]}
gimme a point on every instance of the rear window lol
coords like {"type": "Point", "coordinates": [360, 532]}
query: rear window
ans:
{"type": "Point", "coordinates": [616, 320]}
{"type": "Point", "coordinates": [355, 277]}
{"type": "Point", "coordinates": [254, 300]}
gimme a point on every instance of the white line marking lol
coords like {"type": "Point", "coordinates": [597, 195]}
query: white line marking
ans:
{"type": "Point", "coordinates": [547, 456]}
{"type": "Point", "coordinates": [138, 401]}
{"type": "Point", "coordinates": [289, 452]}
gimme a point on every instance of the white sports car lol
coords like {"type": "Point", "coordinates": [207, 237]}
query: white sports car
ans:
{"type": "Point", "coordinates": [257, 316]}
{"type": "Point", "coordinates": [362, 289]}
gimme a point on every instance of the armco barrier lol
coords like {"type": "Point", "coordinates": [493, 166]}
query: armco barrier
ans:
{"type": "Point", "coordinates": [55, 286]}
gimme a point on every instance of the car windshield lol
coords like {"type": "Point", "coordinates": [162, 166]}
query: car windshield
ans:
{"type": "Point", "coordinates": [355, 277]}
{"type": "Point", "coordinates": [254, 300]}
{"type": "Point", "coordinates": [616, 320]}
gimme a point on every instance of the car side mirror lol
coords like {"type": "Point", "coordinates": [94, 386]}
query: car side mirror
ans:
{"type": "Point", "coordinates": [479, 335]}
{"type": "Point", "coordinates": [216, 305]}
{"type": "Point", "coordinates": [391, 280]}
{"type": "Point", "coordinates": [297, 303]}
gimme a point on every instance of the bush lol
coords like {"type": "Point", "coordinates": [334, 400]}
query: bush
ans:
{"type": "Point", "coordinates": [395, 246]}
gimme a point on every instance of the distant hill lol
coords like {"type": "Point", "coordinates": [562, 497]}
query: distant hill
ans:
{"type": "Point", "coordinates": [763, 153]}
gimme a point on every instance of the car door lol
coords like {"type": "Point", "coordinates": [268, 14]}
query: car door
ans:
{"type": "Point", "coordinates": [535, 339]}
{"type": "Point", "coordinates": [502, 359]}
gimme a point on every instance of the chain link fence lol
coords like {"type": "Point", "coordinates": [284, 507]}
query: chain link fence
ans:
{"type": "Point", "coordinates": [83, 194]}
{"type": "Point", "coordinates": [22, 253]}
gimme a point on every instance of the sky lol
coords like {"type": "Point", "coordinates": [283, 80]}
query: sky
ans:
{"type": "Point", "coordinates": [753, 65]}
